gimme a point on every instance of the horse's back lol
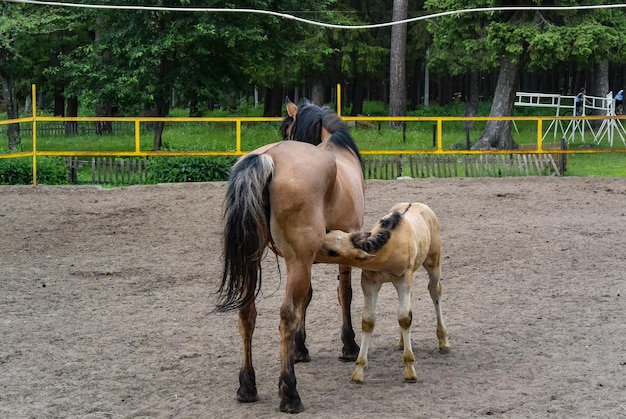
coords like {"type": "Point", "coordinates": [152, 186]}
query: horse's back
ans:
{"type": "Point", "coordinates": [303, 175]}
{"type": "Point", "coordinates": [330, 181]}
{"type": "Point", "coordinates": [301, 170]}
{"type": "Point", "coordinates": [425, 224]}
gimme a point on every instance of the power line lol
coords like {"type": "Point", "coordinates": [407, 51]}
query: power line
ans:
{"type": "Point", "coordinates": [313, 22]}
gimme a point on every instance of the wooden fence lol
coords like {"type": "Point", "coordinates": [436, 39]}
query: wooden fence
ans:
{"type": "Point", "coordinates": [69, 128]}
{"type": "Point", "coordinates": [128, 171]}
{"type": "Point", "coordinates": [111, 171]}
{"type": "Point", "coordinates": [474, 165]}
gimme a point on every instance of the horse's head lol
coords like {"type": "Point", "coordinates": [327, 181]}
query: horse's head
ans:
{"type": "Point", "coordinates": [303, 123]}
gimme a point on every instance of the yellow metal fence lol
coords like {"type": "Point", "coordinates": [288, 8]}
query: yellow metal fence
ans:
{"type": "Point", "coordinates": [438, 122]}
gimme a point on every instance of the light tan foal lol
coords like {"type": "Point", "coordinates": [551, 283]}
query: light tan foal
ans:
{"type": "Point", "coordinates": [402, 241]}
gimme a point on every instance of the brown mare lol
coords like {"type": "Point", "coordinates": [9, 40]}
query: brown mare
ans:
{"type": "Point", "coordinates": [286, 195]}
{"type": "Point", "coordinates": [402, 241]}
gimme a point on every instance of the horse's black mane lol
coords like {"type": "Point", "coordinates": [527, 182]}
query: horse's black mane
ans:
{"type": "Point", "coordinates": [308, 126]}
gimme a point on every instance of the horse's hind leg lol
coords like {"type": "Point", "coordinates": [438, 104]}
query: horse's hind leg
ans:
{"type": "Point", "coordinates": [370, 287]}
{"type": "Point", "coordinates": [301, 351]}
{"type": "Point", "coordinates": [297, 294]}
{"type": "Point", "coordinates": [247, 391]}
{"type": "Point", "coordinates": [436, 289]}
{"type": "Point", "coordinates": [405, 319]}
{"type": "Point", "coordinates": [350, 349]}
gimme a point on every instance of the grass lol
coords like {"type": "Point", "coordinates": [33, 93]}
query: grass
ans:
{"type": "Point", "coordinates": [203, 136]}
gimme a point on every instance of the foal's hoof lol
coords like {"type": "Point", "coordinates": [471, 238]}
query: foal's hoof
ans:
{"type": "Point", "coordinates": [444, 351]}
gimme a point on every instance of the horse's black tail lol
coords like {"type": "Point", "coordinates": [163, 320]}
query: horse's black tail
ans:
{"type": "Point", "coordinates": [246, 230]}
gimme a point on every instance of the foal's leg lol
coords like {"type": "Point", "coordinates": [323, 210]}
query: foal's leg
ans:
{"type": "Point", "coordinates": [344, 292]}
{"type": "Point", "coordinates": [405, 319]}
{"type": "Point", "coordinates": [302, 353]}
{"type": "Point", "coordinates": [247, 382]}
{"type": "Point", "coordinates": [370, 287]}
{"type": "Point", "coordinates": [436, 289]}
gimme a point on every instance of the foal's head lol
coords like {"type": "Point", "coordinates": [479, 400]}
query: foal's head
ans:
{"type": "Point", "coordinates": [352, 248]}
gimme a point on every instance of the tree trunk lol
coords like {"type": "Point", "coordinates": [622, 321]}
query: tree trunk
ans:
{"type": "Point", "coordinates": [8, 92]}
{"type": "Point", "coordinates": [397, 62]}
{"type": "Point", "coordinates": [497, 134]}
{"type": "Point", "coordinates": [162, 107]}
{"type": "Point", "coordinates": [317, 91]}
{"type": "Point", "coordinates": [194, 108]}
{"type": "Point", "coordinates": [472, 100]}
{"type": "Point", "coordinates": [71, 127]}
{"type": "Point", "coordinates": [59, 104]}
{"type": "Point", "coordinates": [104, 108]}
{"type": "Point", "coordinates": [358, 95]}
{"type": "Point", "coordinates": [273, 103]}
{"type": "Point", "coordinates": [600, 86]}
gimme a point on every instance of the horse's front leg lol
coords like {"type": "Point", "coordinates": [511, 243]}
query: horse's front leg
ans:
{"type": "Point", "coordinates": [247, 391]}
{"type": "Point", "coordinates": [350, 349]}
{"type": "Point", "coordinates": [302, 353]}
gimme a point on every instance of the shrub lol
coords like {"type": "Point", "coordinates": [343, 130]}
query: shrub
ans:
{"type": "Point", "coordinates": [19, 171]}
{"type": "Point", "coordinates": [189, 169]}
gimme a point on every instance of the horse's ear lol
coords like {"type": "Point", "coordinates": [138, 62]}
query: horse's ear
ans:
{"type": "Point", "coordinates": [291, 107]}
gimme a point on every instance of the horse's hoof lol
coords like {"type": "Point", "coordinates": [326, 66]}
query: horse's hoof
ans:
{"type": "Point", "coordinates": [348, 358]}
{"type": "Point", "coordinates": [348, 355]}
{"type": "Point", "coordinates": [247, 398]}
{"type": "Point", "coordinates": [247, 393]}
{"type": "Point", "coordinates": [410, 380]}
{"type": "Point", "coordinates": [302, 358]}
{"type": "Point", "coordinates": [444, 351]}
{"type": "Point", "coordinates": [295, 406]}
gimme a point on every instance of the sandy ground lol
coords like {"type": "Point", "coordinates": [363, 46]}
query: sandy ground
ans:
{"type": "Point", "coordinates": [107, 297]}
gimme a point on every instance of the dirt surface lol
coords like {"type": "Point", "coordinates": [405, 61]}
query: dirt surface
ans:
{"type": "Point", "coordinates": [107, 297]}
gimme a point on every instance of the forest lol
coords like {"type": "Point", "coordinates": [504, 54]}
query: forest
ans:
{"type": "Point", "coordinates": [136, 59]}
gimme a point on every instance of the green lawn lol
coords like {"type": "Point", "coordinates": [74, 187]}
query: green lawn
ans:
{"type": "Point", "coordinates": [220, 136]}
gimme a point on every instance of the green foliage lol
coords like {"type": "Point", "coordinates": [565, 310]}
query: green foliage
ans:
{"type": "Point", "coordinates": [19, 171]}
{"type": "Point", "coordinates": [189, 169]}
{"type": "Point", "coordinates": [540, 39]}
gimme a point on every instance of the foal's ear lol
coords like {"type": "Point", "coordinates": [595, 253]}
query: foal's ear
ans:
{"type": "Point", "coordinates": [291, 107]}
{"type": "Point", "coordinates": [363, 255]}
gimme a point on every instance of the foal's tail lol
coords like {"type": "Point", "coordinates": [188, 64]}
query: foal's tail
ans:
{"type": "Point", "coordinates": [246, 230]}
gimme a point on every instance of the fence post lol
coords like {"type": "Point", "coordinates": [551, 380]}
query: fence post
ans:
{"type": "Point", "coordinates": [73, 169]}
{"type": "Point", "coordinates": [562, 157]}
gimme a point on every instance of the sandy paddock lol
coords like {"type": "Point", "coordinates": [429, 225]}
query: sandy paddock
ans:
{"type": "Point", "coordinates": [106, 308]}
